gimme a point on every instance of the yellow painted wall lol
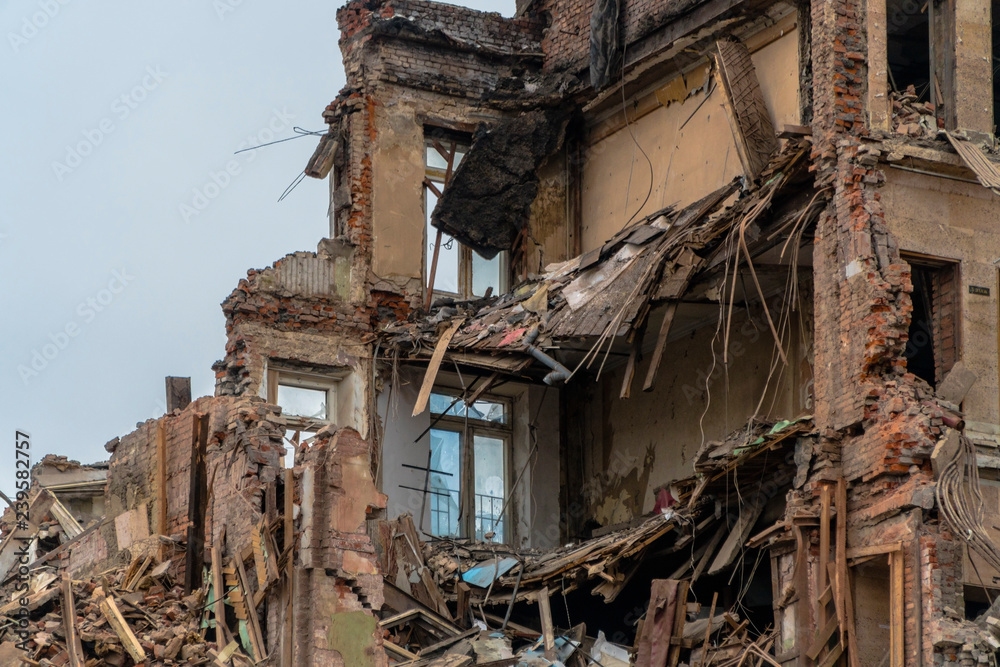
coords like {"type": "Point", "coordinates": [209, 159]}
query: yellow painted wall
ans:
{"type": "Point", "coordinates": [687, 162]}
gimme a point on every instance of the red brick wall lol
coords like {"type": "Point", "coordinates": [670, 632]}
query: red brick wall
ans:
{"type": "Point", "coordinates": [243, 454]}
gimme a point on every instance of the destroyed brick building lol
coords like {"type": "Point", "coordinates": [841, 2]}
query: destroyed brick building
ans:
{"type": "Point", "coordinates": [647, 332]}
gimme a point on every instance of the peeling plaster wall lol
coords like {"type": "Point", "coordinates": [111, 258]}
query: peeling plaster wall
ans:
{"type": "Point", "coordinates": [688, 162]}
{"type": "Point", "coordinates": [954, 220]}
{"type": "Point", "coordinates": [633, 446]}
{"type": "Point", "coordinates": [534, 507]}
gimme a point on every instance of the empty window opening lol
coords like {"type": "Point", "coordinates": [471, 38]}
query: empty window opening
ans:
{"type": "Point", "coordinates": [451, 268]}
{"type": "Point", "coordinates": [908, 47]}
{"type": "Point", "coordinates": [473, 477]}
{"type": "Point", "coordinates": [932, 348]}
{"type": "Point", "coordinates": [308, 403]}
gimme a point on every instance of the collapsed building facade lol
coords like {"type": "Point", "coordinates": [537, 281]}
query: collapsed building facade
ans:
{"type": "Point", "coordinates": [646, 333]}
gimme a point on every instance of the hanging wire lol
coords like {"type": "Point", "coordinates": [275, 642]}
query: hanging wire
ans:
{"type": "Point", "coordinates": [299, 132]}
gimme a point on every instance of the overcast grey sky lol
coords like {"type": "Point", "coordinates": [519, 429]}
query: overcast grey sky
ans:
{"type": "Point", "coordinates": [121, 230]}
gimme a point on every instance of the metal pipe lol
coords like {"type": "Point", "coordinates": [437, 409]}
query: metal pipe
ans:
{"type": "Point", "coordinates": [559, 372]}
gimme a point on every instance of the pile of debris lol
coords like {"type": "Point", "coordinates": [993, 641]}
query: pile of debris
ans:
{"type": "Point", "coordinates": [126, 616]}
{"type": "Point", "coordinates": [913, 118]}
{"type": "Point", "coordinates": [451, 601]}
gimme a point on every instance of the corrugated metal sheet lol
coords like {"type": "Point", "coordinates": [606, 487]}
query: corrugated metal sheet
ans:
{"type": "Point", "coordinates": [306, 274]}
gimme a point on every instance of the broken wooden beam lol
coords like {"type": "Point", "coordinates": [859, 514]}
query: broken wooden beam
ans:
{"type": "Point", "coordinates": [122, 629]}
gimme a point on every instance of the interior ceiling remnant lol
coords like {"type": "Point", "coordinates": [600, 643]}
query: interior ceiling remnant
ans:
{"type": "Point", "coordinates": [607, 293]}
{"type": "Point", "coordinates": [605, 42]}
{"type": "Point", "coordinates": [488, 197]}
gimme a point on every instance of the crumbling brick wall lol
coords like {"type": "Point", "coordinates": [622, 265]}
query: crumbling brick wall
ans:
{"type": "Point", "coordinates": [885, 420]}
{"type": "Point", "coordinates": [243, 454]}
{"type": "Point", "coordinates": [338, 585]}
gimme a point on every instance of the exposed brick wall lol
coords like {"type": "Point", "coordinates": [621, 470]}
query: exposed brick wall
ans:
{"type": "Point", "coordinates": [243, 454]}
{"type": "Point", "coordinates": [337, 578]}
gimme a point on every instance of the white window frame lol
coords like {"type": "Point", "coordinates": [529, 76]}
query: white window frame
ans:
{"type": "Point", "coordinates": [468, 428]}
{"type": "Point", "coordinates": [331, 383]}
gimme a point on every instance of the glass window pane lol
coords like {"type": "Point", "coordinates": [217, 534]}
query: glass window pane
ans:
{"type": "Point", "coordinates": [290, 446]}
{"type": "Point", "coordinates": [491, 486]}
{"type": "Point", "coordinates": [446, 277]}
{"type": "Point", "coordinates": [301, 402]}
{"type": "Point", "coordinates": [442, 404]}
{"type": "Point", "coordinates": [486, 274]}
{"type": "Point", "coordinates": [435, 160]}
{"type": "Point", "coordinates": [445, 481]}
{"type": "Point", "coordinates": [488, 411]}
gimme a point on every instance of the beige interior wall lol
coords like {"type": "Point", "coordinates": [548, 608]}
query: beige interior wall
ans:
{"type": "Point", "coordinates": [397, 192]}
{"type": "Point", "coordinates": [689, 143]}
{"type": "Point", "coordinates": [633, 446]}
{"type": "Point", "coordinates": [957, 220]}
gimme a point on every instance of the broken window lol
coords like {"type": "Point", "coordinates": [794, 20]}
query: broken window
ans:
{"type": "Point", "coordinates": [451, 268]}
{"type": "Point", "coordinates": [908, 47]}
{"type": "Point", "coordinates": [932, 347]}
{"type": "Point", "coordinates": [308, 402]}
{"type": "Point", "coordinates": [469, 477]}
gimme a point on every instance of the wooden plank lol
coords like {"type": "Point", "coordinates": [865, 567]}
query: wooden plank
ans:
{"type": "Point", "coordinates": [435, 364]}
{"type": "Point", "coordinates": [288, 637]}
{"type": "Point", "coordinates": [219, 590]}
{"type": "Point", "coordinates": [661, 343]}
{"type": "Point", "coordinates": [197, 492]}
{"type": "Point", "coordinates": [873, 550]}
{"type": "Point", "coordinates": [896, 618]}
{"type": "Point", "coordinates": [822, 638]}
{"type": "Point", "coordinates": [161, 478]}
{"type": "Point", "coordinates": [253, 625]}
{"type": "Point", "coordinates": [680, 618]}
{"type": "Point", "coordinates": [832, 657]}
{"type": "Point", "coordinates": [824, 537]}
{"type": "Point", "coordinates": [73, 645]}
{"type": "Point", "coordinates": [841, 563]}
{"type": "Point", "coordinates": [654, 638]}
{"type": "Point", "coordinates": [69, 525]}
{"type": "Point", "coordinates": [548, 631]}
{"type": "Point", "coordinates": [122, 629]}
{"type": "Point", "coordinates": [398, 651]}
{"type": "Point", "coordinates": [749, 513]}
{"type": "Point", "coordinates": [722, 531]}
{"type": "Point", "coordinates": [708, 630]}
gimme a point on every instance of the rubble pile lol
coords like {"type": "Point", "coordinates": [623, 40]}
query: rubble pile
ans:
{"type": "Point", "coordinates": [913, 118]}
{"type": "Point", "coordinates": [128, 616]}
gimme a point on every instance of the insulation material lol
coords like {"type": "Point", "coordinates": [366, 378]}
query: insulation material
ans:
{"type": "Point", "coordinates": [486, 202]}
{"type": "Point", "coordinates": [755, 137]}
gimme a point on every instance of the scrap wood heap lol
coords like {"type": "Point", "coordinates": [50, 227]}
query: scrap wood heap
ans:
{"type": "Point", "coordinates": [453, 594]}
{"type": "Point", "coordinates": [140, 614]}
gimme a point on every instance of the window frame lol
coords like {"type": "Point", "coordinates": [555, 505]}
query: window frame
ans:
{"type": "Point", "coordinates": [439, 179]}
{"type": "Point", "coordinates": [290, 377]}
{"type": "Point", "coordinates": [468, 428]}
